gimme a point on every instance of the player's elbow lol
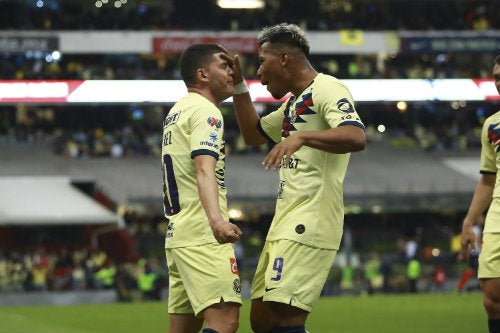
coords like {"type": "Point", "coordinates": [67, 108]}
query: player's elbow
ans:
{"type": "Point", "coordinates": [357, 142]}
{"type": "Point", "coordinates": [254, 140]}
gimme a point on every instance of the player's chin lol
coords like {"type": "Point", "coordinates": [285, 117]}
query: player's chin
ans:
{"type": "Point", "coordinates": [227, 94]}
{"type": "Point", "coordinates": [276, 94]}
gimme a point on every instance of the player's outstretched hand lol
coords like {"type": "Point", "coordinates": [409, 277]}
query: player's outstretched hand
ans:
{"type": "Point", "coordinates": [281, 153]}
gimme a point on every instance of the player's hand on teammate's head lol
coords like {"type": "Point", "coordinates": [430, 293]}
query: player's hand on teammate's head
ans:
{"type": "Point", "coordinates": [234, 62]}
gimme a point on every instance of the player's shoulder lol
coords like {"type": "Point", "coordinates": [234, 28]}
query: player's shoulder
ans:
{"type": "Point", "coordinates": [494, 118]}
{"type": "Point", "coordinates": [496, 115]}
{"type": "Point", "coordinates": [327, 82]}
{"type": "Point", "coordinates": [194, 103]}
{"type": "Point", "coordinates": [327, 78]}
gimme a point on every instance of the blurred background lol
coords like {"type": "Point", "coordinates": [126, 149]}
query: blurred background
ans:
{"type": "Point", "coordinates": [85, 85]}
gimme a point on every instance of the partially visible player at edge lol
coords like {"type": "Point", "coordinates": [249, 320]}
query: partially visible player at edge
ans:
{"type": "Point", "coordinates": [204, 284]}
{"type": "Point", "coordinates": [487, 193]}
{"type": "Point", "coordinates": [315, 130]}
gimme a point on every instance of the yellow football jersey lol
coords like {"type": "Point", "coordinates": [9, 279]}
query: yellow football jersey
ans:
{"type": "Point", "coordinates": [490, 162]}
{"type": "Point", "coordinates": [194, 126]}
{"type": "Point", "coordinates": [309, 206]}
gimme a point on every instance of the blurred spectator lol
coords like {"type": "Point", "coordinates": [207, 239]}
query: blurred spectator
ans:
{"type": "Point", "coordinates": [439, 279]}
{"type": "Point", "coordinates": [150, 279]}
{"type": "Point", "coordinates": [413, 274]}
{"type": "Point", "coordinates": [105, 276]}
{"type": "Point", "coordinates": [373, 273]}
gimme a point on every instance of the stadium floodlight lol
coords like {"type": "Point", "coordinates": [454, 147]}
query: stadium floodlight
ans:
{"type": "Point", "coordinates": [241, 4]}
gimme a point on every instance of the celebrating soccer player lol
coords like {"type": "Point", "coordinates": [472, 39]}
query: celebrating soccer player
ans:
{"type": "Point", "coordinates": [315, 130]}
{"type": "Point", "coordinates": [487, 193]}
{"type": "Point", "coordinates": [204, 284]}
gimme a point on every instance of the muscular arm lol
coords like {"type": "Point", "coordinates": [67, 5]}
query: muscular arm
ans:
{"type": "Point", "coordinates": [339, 140]}
{"type": "Point", "coordinates": [208, 192]}
{"type": "Point", "coordinates": [247, 118]}
{"type": "Point", "coordinates": [480, 201]}
{"type": "Point", "coordinates": [246, 114]}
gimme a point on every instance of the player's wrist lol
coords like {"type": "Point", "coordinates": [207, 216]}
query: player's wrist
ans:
{"type": "Point", "coordinates": [240, 88]}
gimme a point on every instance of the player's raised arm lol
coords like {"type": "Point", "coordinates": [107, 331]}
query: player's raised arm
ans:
{"type": "Point", "coordinates": [246, 114]}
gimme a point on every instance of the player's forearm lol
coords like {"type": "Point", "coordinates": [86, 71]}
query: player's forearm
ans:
{"type": "Point", "coordinates": [340, 140]}
{"type": "Point", "coordinates": [208, 192]}
{"type": "Point", "coordinates": [247, 119]}
{"type": "Point", "coordinates": [481, 198]}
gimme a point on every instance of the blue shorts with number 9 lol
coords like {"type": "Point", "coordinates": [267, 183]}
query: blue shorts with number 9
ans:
{"type": "Point", "coordinates": [292, 273]}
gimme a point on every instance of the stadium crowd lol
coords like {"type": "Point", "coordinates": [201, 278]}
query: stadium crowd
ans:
{"type": "Point", "coordinates": [172, 15]}
{"type": "Point", "coordinates": [314, 15]}
{"type": "Point", "coordinates": [32, 66]}
{"type": "Point", "coordinates": [65, 269]}
{"type": "Point", "coordinates": [123, 131]}
{"type": "Point", "coordinates": [43, 270]}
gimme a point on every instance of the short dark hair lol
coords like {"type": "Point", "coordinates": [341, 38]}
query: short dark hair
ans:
{"type": "Point", "coordinates": [194, 57]}
{"type": "Point", "coordinates": [497, 60]}
{"type": "Point", "coordinates": [286, 34]}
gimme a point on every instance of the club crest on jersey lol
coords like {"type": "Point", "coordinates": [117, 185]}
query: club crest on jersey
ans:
{"type": "Point", "coordinates": [345, 106]}
{"type": "Point", "coordinates": [214, 122]}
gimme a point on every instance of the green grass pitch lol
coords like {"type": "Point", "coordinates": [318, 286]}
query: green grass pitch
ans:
{"type": "Point", "coordinates": [423, 313]}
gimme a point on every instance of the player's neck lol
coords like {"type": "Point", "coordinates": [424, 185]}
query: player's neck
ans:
{"type": "Point", "coordinates": [204, 93]}
{"type": "Point", "coordinates": [306, 78]}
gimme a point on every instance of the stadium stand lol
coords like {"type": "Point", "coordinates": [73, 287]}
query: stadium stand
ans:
{"type": "Point", "coordinates": [413, 181]}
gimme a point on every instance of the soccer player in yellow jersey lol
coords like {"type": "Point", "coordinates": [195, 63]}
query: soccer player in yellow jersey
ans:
{"type": "Point", "coordinates": [487, 193]}
{"type": "Point", "coordinates": [315, 130]}
{"type": "Point", "coordinates": [204, 285]}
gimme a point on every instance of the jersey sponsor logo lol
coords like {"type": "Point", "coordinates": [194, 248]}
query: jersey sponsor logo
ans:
{"type": "Point", "coordinates": [345, 106]}
{"type": "Point", "coordinates": [209, 144]}
{"type": "Point", "coordinates": [171, 119]}
{"type": "Point", "coordinates": [234, 265]}
{"type": "Point", "coordinates": [293, 163]}
{"type": "Point", "coordinates": [214, 122]}
{"type": "Point", "coordinates": [268, 289]}
{"type": "Point", "coordinates": [494, 136]}
{"type": "Point", "coordinates": [213, 137]}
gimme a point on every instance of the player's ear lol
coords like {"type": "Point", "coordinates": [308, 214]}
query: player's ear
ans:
{"type": "Point", "coordinates": [284, 58]}
{"type": "Point", "coordinates": [201, 74]}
